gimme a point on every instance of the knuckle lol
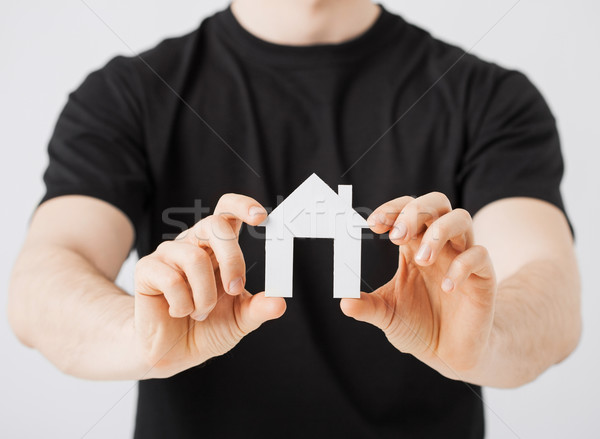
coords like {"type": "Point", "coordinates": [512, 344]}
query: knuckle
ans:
{"type": "Point", "coordinates": [392, 207]}
{"type": "Point", "coordinates": [440, 232]}
{"type": "Point", "coordinates": [218, 220]}
{"type": "Point", "coordinates": [226, 199]}
{"type": "Point", "coordinates": [232, 257]}
{"type": "Point", "coordinates": [441, 196]}
{"type": "Point", "coordinates": [164, 247]}
{"type": "Point", "coordinates": [216, 227]}
{"type": "Point", "coordinates": [139, 271]}
{"type": "Point", "coordinates": [143, 262]}
{"type": "Point", "coordinates": [208, 221]}
{"type": "Point", "coordinates": [444, 200]}
{"type": "Point", "coordinates": [225, 233]}
{"type": "Point", "coordinates": [464, 216]}
{"type": "Point", "coordinates": [203, 228]}
{"type": "Point", "coordinates": [226, 196]}
{"type": "Point", "coordinates": [461, 267]}
{"type": "Point", "coordinates": [417, 210]}
{"type": "Point", "coordinates": [427, 214]}
{"type": "Point", "coordinates": [233, 266]}
{"type": "Point", "coordinates": [409, 217]}
{"type": "Point", "coordinates": [143, 268]}
{"type": "Point", "coordinates": [406, 199]}
{"type": "Point", "coordinates": [197, 256]}
{"type": "Point", "coordinates": [463, 212]}
{"type": "Point", "coordinates": [412, 208]}
{"type": "Point", "coordinates": [171, 279]}
{"type": "Point", "coordinates": [480, 251]}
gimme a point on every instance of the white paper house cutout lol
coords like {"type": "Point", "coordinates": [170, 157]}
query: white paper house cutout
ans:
{"type": "Point", "coordinates": [314, 210]}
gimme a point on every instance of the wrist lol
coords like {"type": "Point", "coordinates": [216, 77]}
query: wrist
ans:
{"type": "Point", "coordinates": [125, 360]}
{"type": "Point", "coordinates": [483, 372]}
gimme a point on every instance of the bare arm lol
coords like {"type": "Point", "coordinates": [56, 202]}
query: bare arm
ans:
{"type": "Point", "coordinates": [186, 308]}
{"type": "Point", "coordinates": [537, 320]}
{"type": "Point", "coordinates": [492, 300]}
{"type": "Point", "coordinates": [63, 300]}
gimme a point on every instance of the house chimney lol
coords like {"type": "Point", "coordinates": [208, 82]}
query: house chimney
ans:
{"type": "Point", "coordinates": [345, 193]}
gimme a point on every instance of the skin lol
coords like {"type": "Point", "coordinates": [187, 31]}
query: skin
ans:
{"type": "Point", "coordinates": [305, 22]}
{"type": "Point", "coordinates": [496, 302]}
{"type": "Point", "coordinates": [447, 306]}
{"type": "Point", "coordinates": [189, 307]}
{"type": "Point", "coordinates": [189, 304]}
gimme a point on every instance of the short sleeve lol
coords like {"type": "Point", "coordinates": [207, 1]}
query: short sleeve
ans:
{"type": "Point", "coordinates": [514, 149]}
{"type": "Point", "coordinates": [97, 145]}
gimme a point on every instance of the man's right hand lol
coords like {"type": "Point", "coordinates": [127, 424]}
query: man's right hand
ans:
{"type": "Point", "coordinates": [190, 299]}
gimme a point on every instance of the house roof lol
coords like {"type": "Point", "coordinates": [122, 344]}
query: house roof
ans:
{"type": "Point", "coordinates": [316, 197]}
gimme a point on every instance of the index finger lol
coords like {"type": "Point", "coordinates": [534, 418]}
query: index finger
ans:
{"type": "Point", "coordinates": [238, 208]}
{"type": "Point", "coordinates": [383, 218]}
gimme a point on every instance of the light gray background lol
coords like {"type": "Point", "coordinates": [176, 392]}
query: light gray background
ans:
{"type": "Point", "coordinates": [46, 49]}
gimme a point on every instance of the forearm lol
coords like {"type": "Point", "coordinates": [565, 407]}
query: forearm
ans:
{"type": "Point", "coordinates": [61, 305]}
{"type": "Point", "coordinates": [536, 324]}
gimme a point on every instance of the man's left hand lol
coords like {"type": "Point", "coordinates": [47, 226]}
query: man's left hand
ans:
{"type": "Point", "coordinates": [439, 306]}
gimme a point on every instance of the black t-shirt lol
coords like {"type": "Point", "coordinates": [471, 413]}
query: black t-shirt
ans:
{"type": "Point", "coordinates": [392, 112]}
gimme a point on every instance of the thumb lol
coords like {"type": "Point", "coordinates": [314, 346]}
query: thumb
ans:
{"type": "Point", "coordinates": [257, 309]}
{"type": "Point", "coordinates": [370, 308]}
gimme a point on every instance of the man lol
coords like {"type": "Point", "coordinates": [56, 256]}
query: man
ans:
{"type": "Point", "coordinates": [461, 156]}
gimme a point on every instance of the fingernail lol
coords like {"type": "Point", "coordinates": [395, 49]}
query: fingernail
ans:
{"type": "Point", "coordinates": [447, 285]}
{"type": "Point", "coordinates": [200, 317]}
{"type": "Point", "coordinates": [256, 210]}
{"type": "Point", "coordinates": [399, 231]}
{"type": "Point", "coordinates": [376, 219]}
{"type": "Point", "coordinates": [235, 286]}
{"type": "Point", "coordinates": [424, 253]}
{"type": "Point", "coordinates": [203, 316]}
